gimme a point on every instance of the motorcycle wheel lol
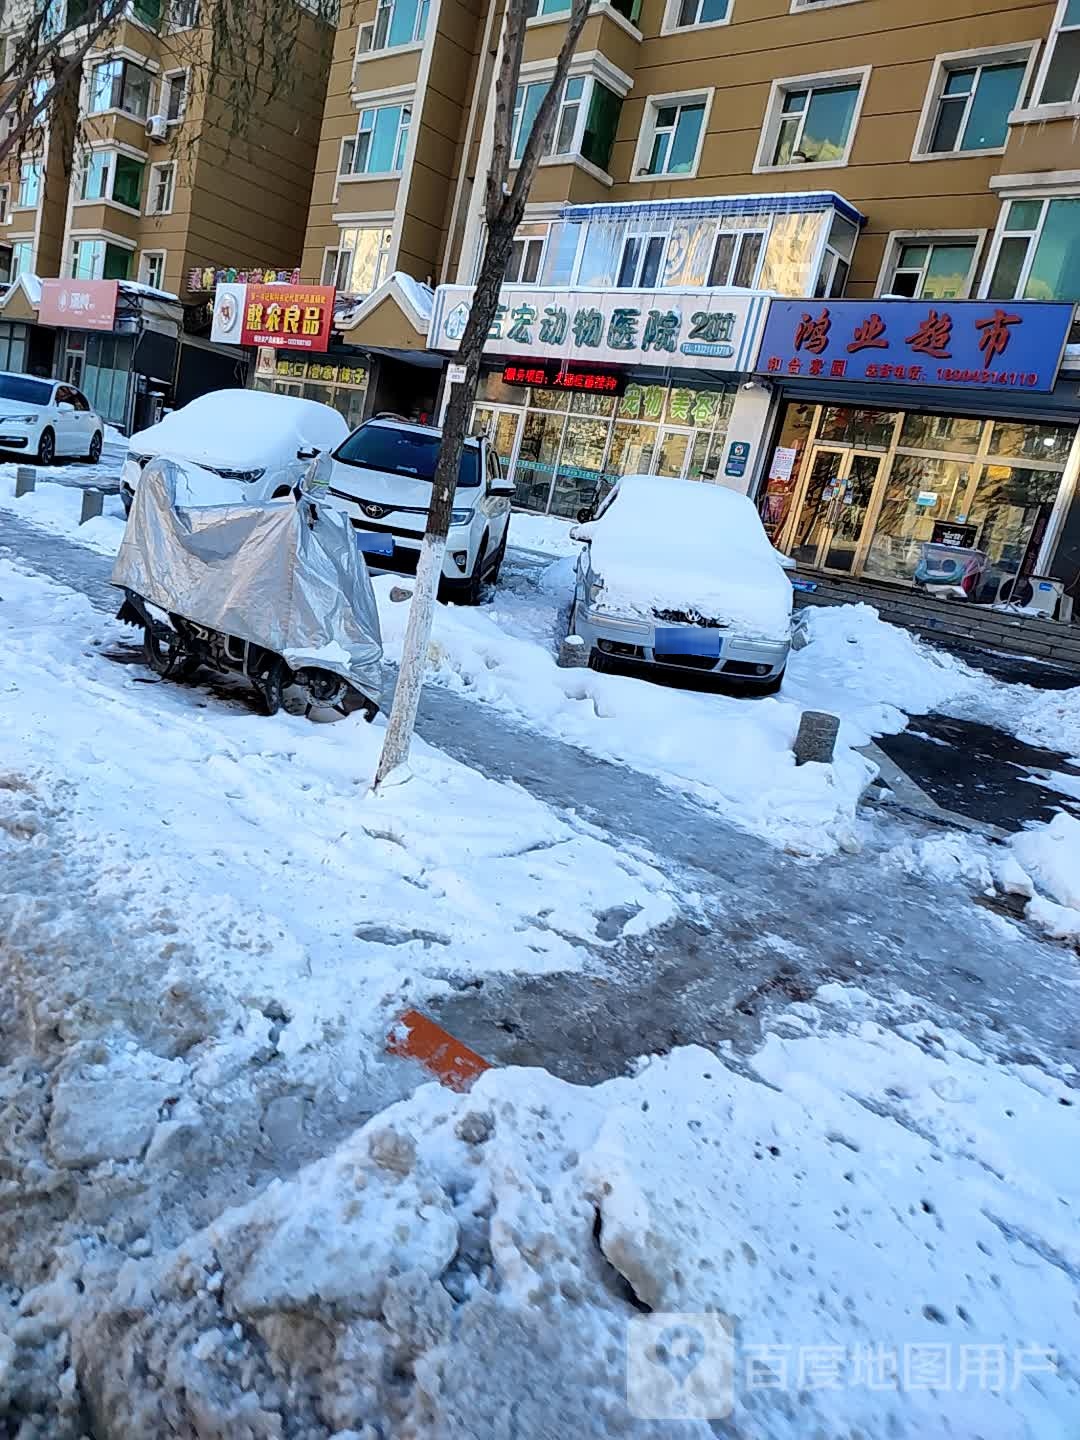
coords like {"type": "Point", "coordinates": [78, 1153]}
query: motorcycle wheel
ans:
{"type": "Point", "coordinates": [165, 657]}
{"type": "Point", "coordinates": [270, 684]}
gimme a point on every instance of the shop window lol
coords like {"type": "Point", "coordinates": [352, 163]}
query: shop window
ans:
{"type": "Point", "coordinates": [846, 425]}
{"type": "Point", "coordinates": [1037, 256]}
{"type": "Point", "coordinates": [683, 14]}
{"type": "Point", "coordinates": [811, 121]}
{"type": "Point", "coordinates": [1061, 75]}
{"type": "Point", "coordinates": [13, 342]}
{"type": "Point", "coordinates": [381, 140]}
{"type": "Point", "coordinates": [358, 264]}
{"type": "Point", "coordinates": [1023, 440]}
{"type": "Point", "coordinates": [671, 135]}
{"type": "Point", "coordinates": [162, 183]}
{"type": "Point", "coordinates": [523, 267]}
{"type": "Point", "coordinates": [970, 104]}
{"type": "Point", "coordinates": [736, 258]}
{"type": "Point", "coordinates": [918, 492]}
{"type": "Point", "coordinates": [931, 269]}
{"type": "Point", "coordinates": [29, 183]}
{"type": "Point", "coordinates": [1008, 501]}
{"type": "Point", "coordinates": [120, 85]}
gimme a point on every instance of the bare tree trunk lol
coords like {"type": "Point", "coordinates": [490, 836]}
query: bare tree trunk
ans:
{"type": "Point", "coordinates": [504, 209]}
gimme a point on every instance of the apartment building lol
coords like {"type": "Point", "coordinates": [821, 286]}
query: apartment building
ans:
{"type": "Point", "coordinates": [709, 154]}
{"type": "Point", "coordinates": [147, 176]}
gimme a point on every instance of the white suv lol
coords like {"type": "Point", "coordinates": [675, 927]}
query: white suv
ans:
{"type": "Point", "coordinates": [381, 477]}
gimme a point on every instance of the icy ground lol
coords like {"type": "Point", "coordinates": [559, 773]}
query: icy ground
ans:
{"type": "Point", "coordinates": [208, 928]}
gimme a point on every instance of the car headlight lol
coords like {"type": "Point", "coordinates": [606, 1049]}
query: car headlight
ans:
{"type": "Point", "coordinates": [25, 419]}
{"type": "Point", "coordinates": [460, 517]}
{"type": "Point", "coordinates": [246, 477]}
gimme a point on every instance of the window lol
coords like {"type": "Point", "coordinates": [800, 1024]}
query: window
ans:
{"type": "Point", "coordinates": [684, 13]}
{"type": "Point", "coordinates": [836, 261]}
{"type": "Point", "coordinates": [1061, 76]}
{"type": "Point", "coordinates": [523, 267]}
{"type": "Point", "coordinates": [146, 11]}
{"type": "Point", "coordinates": [1038, 252]}
{"type": "Point", "coordinates": [29, 183]}
{"type": "Point", "coordinates": [672, 136]}
{"type": "Point", "coordinates": [358, 264]}
{"type": "Point", "coordinates": [22, 258]}
{"type": "Point", "coordinates": [172, 101]}
{"type": "Point", "coordinates": [639, 266]}
{"type": "Point", "coordinates": [120, 85]}
{"type": "Point", "coordinates": [399, 22]}
{"type": "Point", "coordinates": [152, 269]}
{"type": "Point", "coordinates": [5, 198]}
{"type": "Point", "coordinates": [160, 195]}
{"type": "Point", "coordinates": [735, 257]}
{"type": "Point", "coordinates": [971, 111]}
{"type": "Point", "coordinates": [811, 123]}
{"type": "Point", "coordinates": [585, 123]}
{"type": "Point", "coordinates": [931, 269]}
{"type": "Point", "coordinates": [39, 89]}
{"type": "Point", "coordinates": [98, 260]}
{"type": "Point", "coordinates": [183, 14]}
{"type": "Point", "coordinates": [381, 138]}
{"type": "Point", "coordinates": [107, 175]}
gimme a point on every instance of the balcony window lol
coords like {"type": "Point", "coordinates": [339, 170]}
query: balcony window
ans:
{"type": "Point", "coordinates": [931, 269]}
{"type": "Point", "coordinates": [107, 175]}
{"type": "Point", "coordinates": [533, 8]}
{"type": "Point", "coordinates": [736, 257]}
{"type": "Point", "coordinates": [120, 85]}
{"type": "Point", "coordinates": [358, 264]}
{"type": "Point", "coordinates": [147, 12]}
{"type": "Point", "coordinates": [585, 124]}
{"type": "Point", "coordinates": [22, 258]}
{"type": "Point", "coordinates": [523, 267]}
{"type": "Point", "coordinates": [672, 134]}
{"type": "Point", "coordinates": [98, 260]}
{"type": "Point", "coordinates": [380, 143]}
{"type": "Point", "coordinates": [29, 183]}
{"type": "Point", "coordinates": [972, 105]}
{"type": "Point", "coordinates": [1061, 77]}
{"type": "Point", "coordinates": [811, 123]}
{"type": "Point", "coordinates": [639, 266]}
{"type": "Point", "coordinates": [1038, 252]}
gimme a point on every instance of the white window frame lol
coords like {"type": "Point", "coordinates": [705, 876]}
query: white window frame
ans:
{"type": "Point", "coordinates": [898, 239]}
{"type": "Point", "coordinates": [803, 7]}
{"type": "Point", "coordinates": [188, 10]}
{"type": "Point", "coordinates": [1036, 109]}
{"type": "Point", "coordinates": [1043, 196]}
{"type": "Point", "coordinates": [102, 237]}
{"type": "Point", "coordinates": [39, 185]}
{"type": "Point", "coordinates": [159, 168]}
{"type": "Point", "coordinates": [164, 95]}
{"type": "Point", "coordinates": [671, 26]}
{"type": "Point", "coordinates": [592, 68]}
{"type": "Point", "coordinates": [529, 242]}
{"type": "Point", "coordinates": [5, 204]}
{"type": "Point", "coordinates": [978, 59]}
{"type": "Point", "coordinates": [144, 278]}
{"type": "Point", "coordinates": [762, 231]}
{"type": "Point", "coordinates": [647, 132]}
{"type": "Point", "coordinates": [16, 268]}
{"type": "Point", "coordinates": [111, 153]}
{"type": "Point", "coordinates": [822, 80]}
{"type": "Point", "coordinates": [404, 104]}
{"type": "Point", "coordinates": [382, 263]}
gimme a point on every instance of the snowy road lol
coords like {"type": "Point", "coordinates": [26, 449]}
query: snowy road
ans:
{"type": "Point", "coordinates": [757, 926]}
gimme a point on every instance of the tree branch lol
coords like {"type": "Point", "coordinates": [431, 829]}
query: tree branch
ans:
{"type": "Point", "coordinates": [544, 123]}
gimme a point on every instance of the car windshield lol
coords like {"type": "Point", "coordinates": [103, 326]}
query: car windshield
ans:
{"type": "Point", "coordinates": [25, 390]}
{"type": "Point", "coordinates": [404, 452]}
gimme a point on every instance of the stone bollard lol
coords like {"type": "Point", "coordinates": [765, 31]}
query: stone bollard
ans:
{"type": "Point", "coordinates": [573, 653]}
{"type": "Point", "coordinates": [398, 593]}
{"type": "Point", "coordinates": [25, 475]}
{"type": "Point", "coordinates": [816, 739]}
{"type": "Point", "coordinates": [92, 501]}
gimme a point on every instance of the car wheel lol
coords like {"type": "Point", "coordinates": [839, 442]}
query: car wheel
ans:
{"type": "Point", "coordinates": [95, 448]}
{"type": "Point", "coordinates": [46, 450]}
{"type": "Point", "coordinates": [500, 556]}
{"type": "Point", "coordinates": [475, 584]}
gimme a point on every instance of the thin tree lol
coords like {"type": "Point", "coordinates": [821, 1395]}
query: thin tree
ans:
{"type": "Point", "coordinates": [504, 206]}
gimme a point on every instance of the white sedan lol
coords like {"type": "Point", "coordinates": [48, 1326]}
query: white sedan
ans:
{"type": "Point", "coordinates": [46, 419]}
{"type": "Point", "coordinates": [261, 441]}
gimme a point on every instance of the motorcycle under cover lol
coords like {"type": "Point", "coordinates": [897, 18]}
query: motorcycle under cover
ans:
{"type": "Point", "coordinates": [264, 573]}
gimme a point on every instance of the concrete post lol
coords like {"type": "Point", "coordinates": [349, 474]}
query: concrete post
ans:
{"type": "Point", "coordinates": [816, 739]}
{"type": "Point", "coordinates": [573, 653]}
{"type": "Point", "coordinates": [25, 475]}
{"type": "Point", "coordinates": [92, 501]}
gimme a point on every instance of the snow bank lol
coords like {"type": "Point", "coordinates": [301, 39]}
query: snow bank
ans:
{"type": "Point", "coordinates": [1046, 858]}
{"type": "Point", "coordinates": [546, 534]}
{"type": "Point", "coordinates": [731, 753]}
{"type": "Point", "coordinates": [876, 1223]}
{"type": "Point", "coordinates": [56, 507]}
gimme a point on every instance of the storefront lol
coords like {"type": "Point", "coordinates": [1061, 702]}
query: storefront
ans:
{"type": "Point", "coordinates": [583, 386]}
{"type": "Point", "coordinates": [339, 383]}
{"type": "Point", "coordinates": [901, 424]}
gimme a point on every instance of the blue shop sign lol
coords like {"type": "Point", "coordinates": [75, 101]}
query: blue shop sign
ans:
{"type": "Point", "coordinates": [959, 344]}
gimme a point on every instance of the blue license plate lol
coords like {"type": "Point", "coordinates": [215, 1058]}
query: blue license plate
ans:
{"type": "Point", "coordinates": [374, 544]}
{"type": "Point", "coordinates": [687, 640]}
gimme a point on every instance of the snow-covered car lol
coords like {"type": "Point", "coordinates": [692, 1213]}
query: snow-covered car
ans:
{"type": "Point", "coordinates": [381, 478]}
{"type": "Point", "coordinates": [264, 442]}
{"type": "Point", "coordinates": [679, 575]}
{"type": "Point", "coordinates": [46, 419]}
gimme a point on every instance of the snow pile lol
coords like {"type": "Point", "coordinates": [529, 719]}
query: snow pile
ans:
{"type": "Point", "coordinates": [877, 1220]}
{"type": "Point", "coordinates": [1046, 859]}
{"type": "Point", "coordinates": [729, 752]}
{"type": "Point", "coordinates": [1048, 718]}
{"type": "Point", "coordinates": [56, 507]}
{"type": "Point", "coordinates": [677, 544]}
{"type": "Point", "coordinates": [242, 429]}
{"type": "Point", "coordinates": [545, 534]}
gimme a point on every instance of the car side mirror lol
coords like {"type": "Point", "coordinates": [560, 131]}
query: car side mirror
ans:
{"type": "Point", "coordinates": [502, 486]}
{"type": "Point", "coordinates": [66, 408]}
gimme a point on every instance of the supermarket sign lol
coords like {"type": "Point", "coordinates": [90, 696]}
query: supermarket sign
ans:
{"type": "Point", "coordinates": [282, 317]}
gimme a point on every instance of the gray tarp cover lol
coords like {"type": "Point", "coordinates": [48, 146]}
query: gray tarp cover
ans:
{"type": "Point", "coordinates": [263, 572]}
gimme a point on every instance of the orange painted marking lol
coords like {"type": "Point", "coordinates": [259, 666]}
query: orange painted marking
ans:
{"type": "Point", "coordinates": [453, 1064]}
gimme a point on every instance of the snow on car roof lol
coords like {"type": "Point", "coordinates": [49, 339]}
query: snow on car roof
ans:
{"type": "Point", "coordinates": [686, 544]}
{"type": "Point", "coordinates": [242, 427]}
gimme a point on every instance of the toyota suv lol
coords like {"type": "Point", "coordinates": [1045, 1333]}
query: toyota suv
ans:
{"type": "Point", "coordinates": [381, 477]}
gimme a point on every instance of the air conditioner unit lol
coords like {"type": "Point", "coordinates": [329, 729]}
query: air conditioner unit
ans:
{"type": "Point", "coordinates": [157, 127]}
